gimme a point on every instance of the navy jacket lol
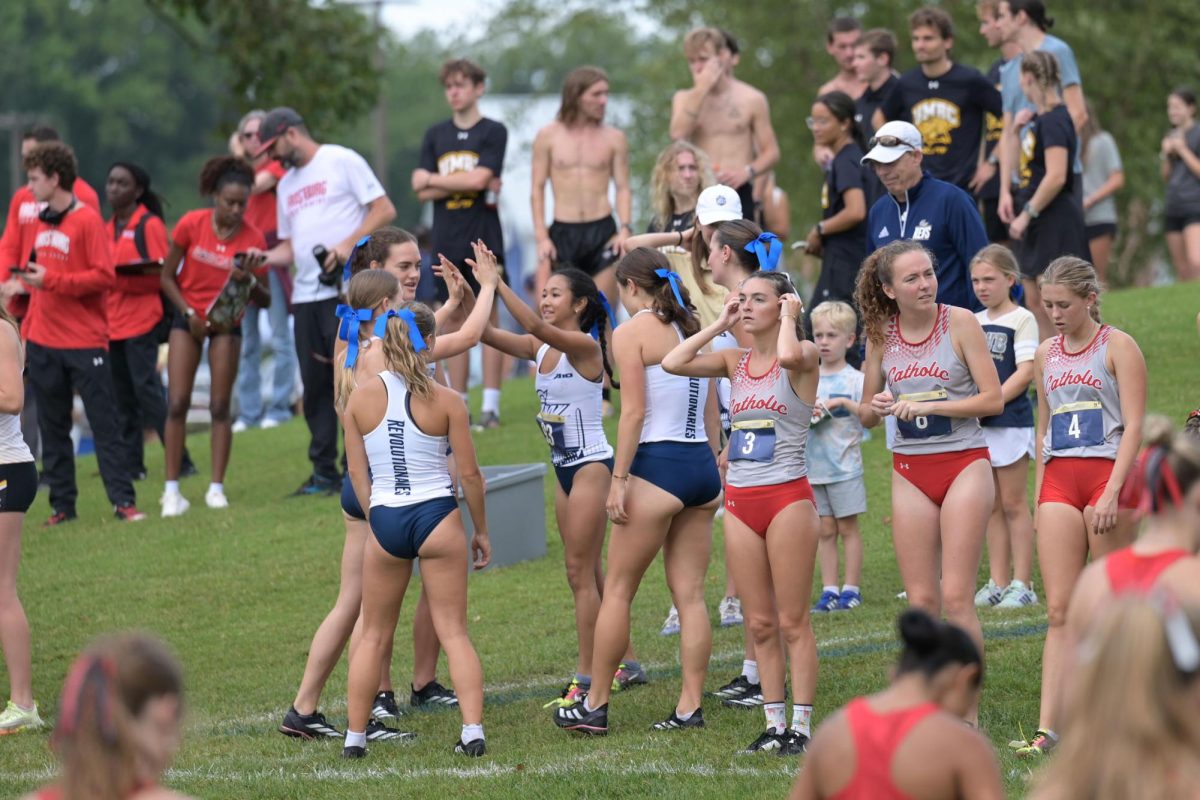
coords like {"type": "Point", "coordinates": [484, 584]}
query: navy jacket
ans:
{"type": "Point", "coordinates": [942, 217]}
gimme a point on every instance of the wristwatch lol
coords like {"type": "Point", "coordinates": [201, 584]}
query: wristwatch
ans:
{"type": "Point", "coordinates": [189, 313]}
{"type": "Point", "coordinates": [821, 229]}
{"type": "Point", "coordinates": [1029, 209]}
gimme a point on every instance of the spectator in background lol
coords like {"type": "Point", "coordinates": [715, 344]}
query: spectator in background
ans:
{"type": "Point", "coordinates": [136, 315]}
{"type": "Point", "coordinates": [261, 212]}
{"type": "Point", "coordinates": [1180, 156]}
{"type": "Point", "coordinates": [327, 200]}
{"type": "Point", "coordinates": [67, 334]}
{"type": "Point", "coordinates": [841, 36]}
{"type": "Point", "coordinates": [1103, 177]}
{"type": "Point", "coordinates": [874, 55]}
{"type": "Point", "coordinates": [840, 237]}
{"type": "Point", "coordinates": [1050, 221]}
{"type": "Point", "coordinates": [462, 159]}
{"type": "Point", "coordinates": [210, 248]}
{"type": "Point", "coordinates": [946, 101]}
{"type": "Point", "coordinates": [988, 191]}
{"type": "Point", "coordinates": [681, 172]}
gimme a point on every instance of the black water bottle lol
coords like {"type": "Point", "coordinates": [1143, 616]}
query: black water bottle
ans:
{"type": "Point", "coordinates": [327, 277]}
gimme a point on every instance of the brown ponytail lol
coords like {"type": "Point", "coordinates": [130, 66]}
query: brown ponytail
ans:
{"type": "Point", "coordinates": [639, 267]}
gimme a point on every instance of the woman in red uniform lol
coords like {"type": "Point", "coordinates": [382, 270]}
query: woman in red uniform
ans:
{"type": "Point", "coordinates": [1091, 402]}
{"type": "Point", "coordinates": [908, 741]}
{"type": "Point", "coordinates": [928, 365]}
{"type": "Point", "coordinates": [211, 247]}
{"type": "Point", "coordinates": [135, 310]}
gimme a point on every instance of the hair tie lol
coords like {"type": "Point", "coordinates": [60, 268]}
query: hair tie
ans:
{"type": "Point", "coordinates": [673, 279]}
{"type": "Point", "coordinates": [612, 318]}
{"type": "Point", "coordinates": [96, 672]}
{"type": "Point", "coordinates": [414, 335]}
{"type": "Point", "coordinates": [350, 258]}
{"type": "Point", "coordinates": [768, 249]}
{"type": "Point", "coordinates": [348, 329]}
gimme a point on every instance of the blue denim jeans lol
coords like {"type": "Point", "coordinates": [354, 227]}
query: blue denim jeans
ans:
{"type": "Point", "coordinates": [283, 356]}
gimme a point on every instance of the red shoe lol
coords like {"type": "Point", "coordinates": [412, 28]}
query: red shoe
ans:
{"type": "Point", "coordinates": [128, 513]}
{"type": "Point", "coordinates": [58, 518]}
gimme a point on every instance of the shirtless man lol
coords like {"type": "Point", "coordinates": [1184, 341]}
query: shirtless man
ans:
{"type": "Point", "coordinates": [726, 118]}
{"type": "Point", "coordinates": [580, 155]}
{"type": "Point", "coordinates": [840, 38]}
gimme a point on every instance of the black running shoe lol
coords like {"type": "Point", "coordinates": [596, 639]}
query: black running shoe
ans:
{"type": "Point", "coordinates": [674, 723]}
{"type": "Point", "coordinates": [433, 694]}
{"type": "Point", "coordinates": [385, 707]}
{"type": "Point", "coordinates": [577, 718]}
{"type": "Point", "coordinates": [769, 741]}
{"type": "Point", "coordinates": [735, 688]}
{"type": "Point", "coordinates": [187, 469]}
{"type": "Point", "coordinates": [472, 749]}
{"type": "Point", "coordinates": [317, 486]}
{"type": "Point", "coordinates": [354, 751]}
{"type": "Point", "coordinates": [751, 698]}
{"type": "Point", "coordinates": [308, 726]}
{"type": "Point", "coordinates": [795, 743]}
{"type": "Point", "coordinates": [378, 732]}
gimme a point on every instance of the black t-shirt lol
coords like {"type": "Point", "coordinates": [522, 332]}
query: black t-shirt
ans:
{"type": "Point", "coordinates": [991, 136]}
{"type": "Point", "coordinates": [678, 222]}
{"type": "Point", "coordinates": [948, 111]}
{"type": "Point", "coordinates": [868, 102]}
{"type": "Point", "coordinates": [464, 217]}
{"type": "Point", "coordinates": [1052, 129]}
{"type": "Point", "coordinates": [844, 173]}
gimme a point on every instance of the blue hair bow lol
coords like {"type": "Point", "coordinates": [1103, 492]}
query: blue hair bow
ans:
{"type": "Point", "coordinates": [348, 330]}
{"type": "Point", "coordinates": [1018, 293]}
{"type": "Point", "coordinates": [673, 279]}
{"type": "Point", "coordinates": [414, 335]}
{"type": "Point", "coordinates": [612, 318]}
{"type": "Point", "coordinates": [350, 259]}
{"type": "Point", "coordinates": [768, 248]}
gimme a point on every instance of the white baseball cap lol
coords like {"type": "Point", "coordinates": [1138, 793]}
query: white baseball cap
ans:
{"type": "Point", "coordinates": [718, 203]}
{"type": "Point", "coordinates": [893, 140]}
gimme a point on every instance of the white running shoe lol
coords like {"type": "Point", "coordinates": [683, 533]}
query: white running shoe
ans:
{"type": "Point", "coordinates": [1018, 595]}
{"type": "Point", "coordinates": [215, 498]}
{"type": "Point", "coordinates": [15, 719]}
{"type": "Point", "coordinates": [989, 595]}
{"type": "Point", "coordinates": [174, 504]}
{"type": "Point", "coordinates": [269, 423]}
{"type": "Point", "coordinates": [240, 426]}
{"type": "Point", "coordinates": [731, 612]}
{"type": "Point", "coordinates": [671, 625]}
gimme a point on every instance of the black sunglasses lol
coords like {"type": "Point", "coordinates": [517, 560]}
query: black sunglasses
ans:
{"type": "Point", "coordinates": [888, 141]}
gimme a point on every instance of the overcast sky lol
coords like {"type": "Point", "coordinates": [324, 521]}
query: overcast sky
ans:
{"type": "Point", "coordinates": [448, 17]}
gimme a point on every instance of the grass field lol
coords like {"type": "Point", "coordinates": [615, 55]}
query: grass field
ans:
{"type": "Point", "coordinates": [239, 593]}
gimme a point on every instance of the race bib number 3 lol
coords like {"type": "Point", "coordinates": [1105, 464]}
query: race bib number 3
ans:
{"type": "Point", "coordinates": [554, 429]}
{"type": "Point", "coordinates": [1077, 425]}
{"type": "Point", "coordinates": [753, 440]}
{"type": "Point", "coordinates": [927, 426]}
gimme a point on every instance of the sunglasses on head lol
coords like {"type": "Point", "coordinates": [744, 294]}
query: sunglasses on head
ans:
{"type": "Point", "coordinates": [888, 141]}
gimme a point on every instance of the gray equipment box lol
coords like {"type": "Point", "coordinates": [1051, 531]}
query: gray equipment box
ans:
{"type": "Point", "coordinates": [516, 512]}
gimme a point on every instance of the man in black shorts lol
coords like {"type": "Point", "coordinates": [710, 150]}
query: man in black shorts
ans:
{"type": "Point", "coordinates": [580, 156]}
{"type": "Point", "coordinates": [461, 162]}
{"type": "Point", "coordinates": [945, 100]}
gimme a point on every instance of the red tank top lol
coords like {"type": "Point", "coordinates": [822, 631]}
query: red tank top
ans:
{"type": "Point", "coordinates": [876, 739]}
{"type": "Point", "coordinates": [1130, 573]}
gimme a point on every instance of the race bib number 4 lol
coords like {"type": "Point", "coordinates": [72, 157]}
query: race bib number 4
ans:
{"type": "Point", "coordinates": [554, 429]}
{"type": "Point", "coordinates": [1077, 425]}
{"type": "Point", "coordinates": [753, 440]}
{"type": "Point", "coordinates": [929, 425]}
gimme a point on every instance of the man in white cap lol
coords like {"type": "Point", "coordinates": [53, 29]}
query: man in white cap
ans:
{"type": "Point", "coordinates": [921, 208]}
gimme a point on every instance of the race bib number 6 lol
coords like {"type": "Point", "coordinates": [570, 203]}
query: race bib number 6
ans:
{"type": "Point", "coordinates": [926, 426]}
{"type": "Point", "coordinates": [753, 440]}
{"type": "Point", "coordinates": [1077, 425]}
{"type": "Point", "coordinates": [554, 429]}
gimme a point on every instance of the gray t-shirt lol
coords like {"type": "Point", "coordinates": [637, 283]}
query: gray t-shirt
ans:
{"type": "Point", "coordinates": [1183, 186]}
{"type": "Point", "coordinates": [1102, 161]}
{"type": "Point", "coordinates": [1010, 80]}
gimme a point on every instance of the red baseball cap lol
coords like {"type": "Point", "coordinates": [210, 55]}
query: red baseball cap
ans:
{"type": "Point", "coordinates": [275, 124]}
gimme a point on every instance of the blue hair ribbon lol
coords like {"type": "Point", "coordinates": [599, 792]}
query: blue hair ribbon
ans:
{"type": "Point", "coordinates": [350, 259]}
{"type": "Point", "coordinates": [1018, 293]}
{"type": "Point", "coordinates": [414, 335]}
{"type": "Point", "coordinates": [768, 249]}
{"type": "Point", "coordinates": [348, 330]}
{"type": "Point", "coordinates": [612, 318]}
{"type": "Point", "coordinates": [673, 279]}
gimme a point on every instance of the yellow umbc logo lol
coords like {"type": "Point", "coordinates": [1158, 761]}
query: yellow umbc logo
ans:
{"type": "Point", "coordinates": [936, 119]}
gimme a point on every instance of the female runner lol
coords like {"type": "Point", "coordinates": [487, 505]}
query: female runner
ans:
{"type": "Point", "coordinates": [1091, 405]}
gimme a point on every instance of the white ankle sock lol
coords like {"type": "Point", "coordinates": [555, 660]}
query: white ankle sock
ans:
{"type": "Point", "coordinates": [354, 739]}
{"type": "Point", "coordinates": [171, 487]}
{"type": "Point", "coordinates": [491, 401]}
{"type": "Point", "coordinates": [217, 487]}
{"type": "Point", "coordinates": [776, 716]}
{"type": "Point", "coordinates": [802, 718]}
{"type": "Point", "coordinates": [471, 732]}
{"type": "Point", "coordinates": [750, 671]}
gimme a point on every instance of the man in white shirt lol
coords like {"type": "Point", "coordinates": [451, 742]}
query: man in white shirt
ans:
{"type": "Point", "coordinates": [328, 200]}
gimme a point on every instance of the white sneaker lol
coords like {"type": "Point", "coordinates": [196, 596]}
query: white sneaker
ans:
{"type": "Point", "coordinates": [989, 595]}
{"type": "Point", "coordinates": [1017, 595]}
{"type": "Point", "coordinates": [731, 612]}
{"type": "Point", "coordinates": [215, 498]}
{"type": "Point", "coordinates": [240, 426]}
{"type": "Point", "coordinates": [269, 423]}
{"type": "Point", "coordinates": [671, 625]}
{"type": "Point", "coordinates": [174, 504]}
{"type": "Point", "coordinates": [15, 719]}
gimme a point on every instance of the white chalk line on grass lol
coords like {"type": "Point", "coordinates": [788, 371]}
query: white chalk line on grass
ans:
{"type": "Point", "coordinates": [855, 640]}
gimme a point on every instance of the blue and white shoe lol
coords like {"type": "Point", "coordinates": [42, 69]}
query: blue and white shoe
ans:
{"type": "Point", "coordinates": [848, 600]}
{"type": "Point", "coordinates": [1017, 595]}
{"type": "Point", "coordinates": [671, 625]}
{"type": "Point", "coordinates": [989, 595]}
{"type": "Point", "coordinates": [830, 601]}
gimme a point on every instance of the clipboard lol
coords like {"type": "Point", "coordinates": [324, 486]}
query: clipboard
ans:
{"type": "Point", "coordinates": [141, 267]}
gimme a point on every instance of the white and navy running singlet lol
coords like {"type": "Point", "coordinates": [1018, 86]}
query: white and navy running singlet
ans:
{"type": "Point", "coordinates": [407, 465]}
{"type": "Point", "coordinates": [674, 404]}
{"type": "Point", "coordinates": [571, 415]}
